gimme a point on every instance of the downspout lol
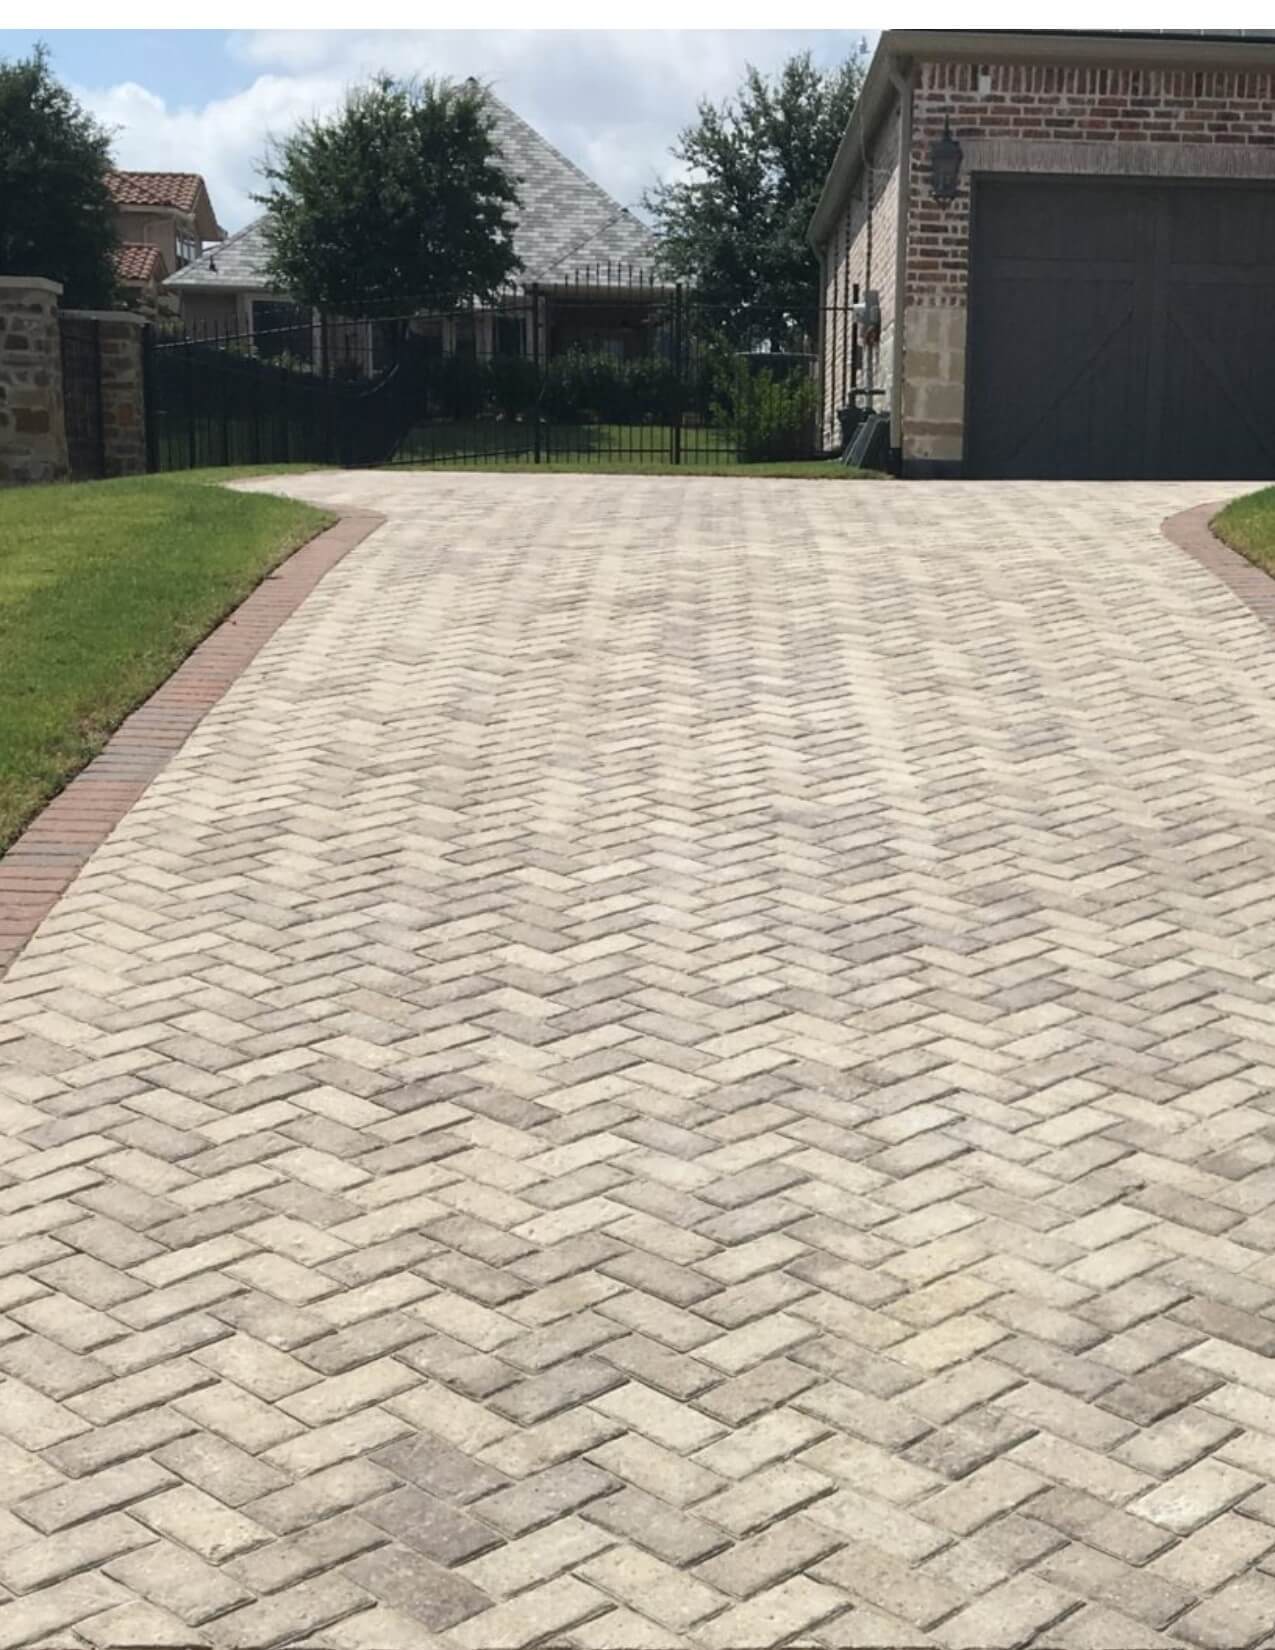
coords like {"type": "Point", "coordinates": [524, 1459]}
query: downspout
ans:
{"type": "Point", "coordinates": [869, 212]}
{"type": "Point", "coordinates": [903, 85]}
{"type": "Point", "coordinates": [821, 331]}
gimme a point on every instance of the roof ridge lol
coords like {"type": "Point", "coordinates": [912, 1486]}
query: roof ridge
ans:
{"type": "Point", "coordinates": [557, 153]}
{"type": "Point", "coordinates": [564, 218]}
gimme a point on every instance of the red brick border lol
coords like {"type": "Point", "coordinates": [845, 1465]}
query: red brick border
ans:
{"type": "Point", "coordinates": [45, 859]}
{"type": "Point", "coordinates": [1191, 532]}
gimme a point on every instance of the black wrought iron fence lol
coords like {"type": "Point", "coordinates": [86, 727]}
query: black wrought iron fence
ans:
{"type": "Point", "coordinates": [632, 373]}
{"type": "Point", "coordinates": [82, 395]}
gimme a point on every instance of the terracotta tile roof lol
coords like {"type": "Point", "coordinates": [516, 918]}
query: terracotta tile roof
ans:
{"type": "Point", "coordinates": [177, 189]}
{"type": "Point", "coordinates": [134, 262]}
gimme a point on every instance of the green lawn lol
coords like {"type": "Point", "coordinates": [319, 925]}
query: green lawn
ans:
{"type": "Point", "coordinates": [504, 444]}
{"type": "Point", "coordinates": [1248, 525]}
{"type": "Point", "coordinates": [217, 474]}
{"type": "Point", "coordinates": [806, 470]}
{"type": "Point", "coordinates": [449, 440]}
{"type": "Point", "coordinates": [105, 587]}
{"type": "Point", "coordinates": [624, 449]}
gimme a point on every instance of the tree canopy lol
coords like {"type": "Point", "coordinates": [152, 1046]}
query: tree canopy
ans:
{"type": "Point", "coordinates": [736, 224]}
{"type": "Point", "coordinates": [401, 195]}
{"type": "Point", "coordinates": [57, 216]}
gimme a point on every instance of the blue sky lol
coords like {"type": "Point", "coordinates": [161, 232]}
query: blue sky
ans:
{"type": "Point", "coordinates": [208, 101]}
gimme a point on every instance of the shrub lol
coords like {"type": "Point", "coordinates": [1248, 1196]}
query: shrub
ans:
{"type": "Point", "coordinates": [655, 391]}
{"type": "Point", "coordinates": [585, 385]}
{"type": "Point", "coordinates": [581, 386]}
{"type": "Point", "coordinates": [514, 384]}
{"type": "Point", "coordinates": [461, 386]}
{"type": "Point", "coordinates": [770, 418]}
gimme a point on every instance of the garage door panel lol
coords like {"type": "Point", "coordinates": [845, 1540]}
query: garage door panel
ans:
{"type": "Point", "coordinates": [1121, 330]}
{"type": "Point", "coordinates": [1223, 228]}
{"type": "Point", "coordinates": [1057, 414]}
{"type": "Point", "coordinates": [1217, 403]}
{"type": "Point", "coordinates": [1026, 223]}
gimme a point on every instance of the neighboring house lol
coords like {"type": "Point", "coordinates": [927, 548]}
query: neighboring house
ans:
{"type": "Point", "coordinates": [567, 226]}
{"type": "Point", "coordinates": [1072, 240]}
{"type": "Point", "coordinates": [163, 220]}
{"type": "Point", "coordinates": [141, 270]}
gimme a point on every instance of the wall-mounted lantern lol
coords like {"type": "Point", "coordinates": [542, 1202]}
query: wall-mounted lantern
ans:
{"type": "Point", "coordinates": [945, 165]}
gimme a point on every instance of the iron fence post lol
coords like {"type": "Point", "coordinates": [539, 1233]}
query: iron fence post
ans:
{"type": "Point", "coordinates": [680, 374]}
{"type": "Point", "coordinates": [535, 356]}
{"type": "Point", "coordinates": [190, 404]}
{"type": "Point", "coordinates": [225, 395]}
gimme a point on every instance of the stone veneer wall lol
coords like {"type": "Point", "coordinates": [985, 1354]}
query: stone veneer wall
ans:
{"type": "Point", "coordinates": [33, 446]}
{"type": "Point", "coordinates": [1034, 117]}
{"type": "Point", "coordinates": [32, 426]}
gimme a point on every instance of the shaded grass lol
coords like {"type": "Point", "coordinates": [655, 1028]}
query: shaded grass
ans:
{"type": "Point", "coordinates": [447, 440]}
{"type": "Point", "coordinates": [105, 587]}
{"type": "Point", "coordinates": [243, 472]}
{"type": "Point", "coordinates": [804, 470]}
{"type": "Point", "coordinates": [500, 444]}
{"type": "Point", "coordinates": [1248, 525]}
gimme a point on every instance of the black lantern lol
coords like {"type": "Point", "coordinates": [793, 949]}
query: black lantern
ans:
{"type": "Point", "coordinates": [945, 164]}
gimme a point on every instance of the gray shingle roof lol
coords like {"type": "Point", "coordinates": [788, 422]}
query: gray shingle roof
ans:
{"type": "Point", "coordinates": [238, 262]}
{"type": "Point", "coordinates": [566, 222]}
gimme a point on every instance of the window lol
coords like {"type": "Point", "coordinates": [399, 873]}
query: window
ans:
{"type": "Point", "coordinates": [280, 329]}
{"type": "Point", "coordinates": [188, 248]}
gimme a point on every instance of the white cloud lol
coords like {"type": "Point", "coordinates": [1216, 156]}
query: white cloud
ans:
{"type": "Point", "coordinates": [222, 139]}
{"type": "Point", "coordinates": [613, 102]}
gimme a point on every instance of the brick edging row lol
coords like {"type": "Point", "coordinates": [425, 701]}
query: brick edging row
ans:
{"type": "Point", "coordinates": [1191, 533]}
{"type": "Point", "coordinates": [47, 857]}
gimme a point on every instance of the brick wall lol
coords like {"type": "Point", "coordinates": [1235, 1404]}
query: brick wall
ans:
{"type": "Point", "coordinates": [862, 252]}
{"type": "Point", "coordinates": [1046, 117]}
{"type": "Point", "coordinates": [1056, 103]}
{"type": "Point", "coordinates": [32, 429]}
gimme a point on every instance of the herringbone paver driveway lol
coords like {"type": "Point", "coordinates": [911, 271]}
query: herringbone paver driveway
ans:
{"type": "Point", "coordinates": [677, 1063]}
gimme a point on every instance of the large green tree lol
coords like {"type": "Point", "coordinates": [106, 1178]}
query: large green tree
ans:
{"type": "Point", "coordinates": [736, 224]}
{"type": "Point", "coordinates": [400, 196]}
{"type": "Point", "coordinates": [57, 217]}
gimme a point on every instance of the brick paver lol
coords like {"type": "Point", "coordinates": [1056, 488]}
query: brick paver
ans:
{"type": "Point", "coordinates": [676, 1063]}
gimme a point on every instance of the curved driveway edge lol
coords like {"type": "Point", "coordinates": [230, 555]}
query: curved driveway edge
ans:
{"type": "Point", "coordinates": [1191, 532]}
{"type": "Point", "coordinates": [46, 858]}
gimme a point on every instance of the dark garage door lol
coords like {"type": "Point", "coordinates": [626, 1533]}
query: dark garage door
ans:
{"type": "Point", "coordinates": [1121, 330]}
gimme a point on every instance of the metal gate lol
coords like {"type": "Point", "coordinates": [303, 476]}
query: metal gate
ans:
{"type": "Point", "coordinates": [82, 396]}
{"type": "Point", "coordinates": [603, 371]}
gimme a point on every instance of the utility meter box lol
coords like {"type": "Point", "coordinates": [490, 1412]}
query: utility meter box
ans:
{"type": "Point", "coordinates": [867, 316]}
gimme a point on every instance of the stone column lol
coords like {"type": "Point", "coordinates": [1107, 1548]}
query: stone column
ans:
{"type": "Point", "coordinates": [32, 423]}
{"type": "Point", "coordinates": [121, 336]}
{"type": "Point", "coordinates": [933, 390]}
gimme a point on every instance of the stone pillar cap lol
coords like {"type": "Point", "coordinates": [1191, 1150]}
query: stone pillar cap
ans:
{"type": "Point", "coordinates": [128, 315]}
{"type": "Point", "coordinates": [31, 283]}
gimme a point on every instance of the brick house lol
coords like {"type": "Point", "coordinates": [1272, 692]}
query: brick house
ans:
{"type": "Point", "coordinates": [1064, 246]}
